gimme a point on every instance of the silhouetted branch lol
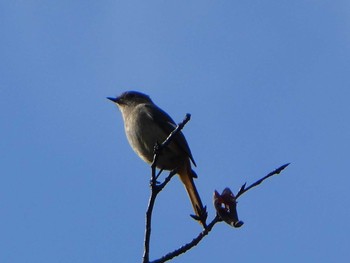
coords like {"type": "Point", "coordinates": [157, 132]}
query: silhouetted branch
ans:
{"type": "Point", "coordinates": [159, 147]}
{"type": "Point", "coordinates": [225, 203]}
{"type": "Point", "coordinates": [156, 188]}
{"type": "Point", "coordinates": [229, 199]}
{"type": "Point", "coordinates": [190, 245]}
{"type": "Point", "coordinates": [243, 189]}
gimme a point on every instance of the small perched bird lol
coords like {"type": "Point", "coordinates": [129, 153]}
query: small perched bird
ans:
{"type": "Point", "coordinates": [146, 125]}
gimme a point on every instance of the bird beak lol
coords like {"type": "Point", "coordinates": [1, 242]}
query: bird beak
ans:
{"type": "Point", "coordinates": [115, 100]}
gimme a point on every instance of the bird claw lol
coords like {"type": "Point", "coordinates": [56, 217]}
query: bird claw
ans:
{"type": "Point", "coordinates": [201, 216]}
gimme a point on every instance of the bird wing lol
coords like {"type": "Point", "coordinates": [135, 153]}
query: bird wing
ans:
{"type": "Point", "coordinates": [167, 124]}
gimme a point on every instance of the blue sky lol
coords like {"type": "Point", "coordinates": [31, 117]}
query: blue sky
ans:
{"type": "Point", "coordinates": [266, 82]}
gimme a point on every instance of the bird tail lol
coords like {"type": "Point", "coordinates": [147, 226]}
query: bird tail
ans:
{"type": "Point", "coordinates": [186, 175]}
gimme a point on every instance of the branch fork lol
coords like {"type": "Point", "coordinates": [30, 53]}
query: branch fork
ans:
{"type": "Point", "coordinates": [224, 203]}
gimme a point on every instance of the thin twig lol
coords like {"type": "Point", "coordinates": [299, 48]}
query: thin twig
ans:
{"type": "Point", "coordinates": [217, 219]}
{"type": "Point", "coordinates": [178, 128]}
{"type": "Point", "coordinates": [159, 147]}
{"type": "Point", "coordinates": [190, 245]}
{"type": "Point", "coordinates": [244, 189]}
{"type": "Point", "coordinates": [148, 227]}
{"type": "Point", "coordinates": [155, 189]}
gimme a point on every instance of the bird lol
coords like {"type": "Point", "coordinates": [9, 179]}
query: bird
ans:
{"type": "Point", "coordinates": [147, 125]}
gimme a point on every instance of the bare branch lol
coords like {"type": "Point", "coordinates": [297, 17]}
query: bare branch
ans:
{"type": "Point", "coordinates": [159, 147]}
{"type": "Point", "coordinates": [155, 188]}
{"type": "Point", "coordinates": [190, 245]}
{"type": "Point", "coordinates": [148, 227]}
{"type": "Point", "coordinates": [244, 189]}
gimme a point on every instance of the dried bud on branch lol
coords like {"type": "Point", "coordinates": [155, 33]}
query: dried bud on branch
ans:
{"type": "Point", "coordinates": [225, 205]}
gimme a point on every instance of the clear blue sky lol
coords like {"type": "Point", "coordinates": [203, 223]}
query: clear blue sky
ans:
{"type": "Point", "coordinates": [266, 82]}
